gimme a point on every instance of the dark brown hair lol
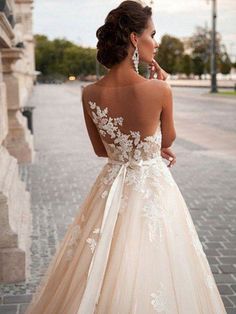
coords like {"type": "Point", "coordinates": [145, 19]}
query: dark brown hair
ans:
{"type": "Point", "coordinates": [113, 36]}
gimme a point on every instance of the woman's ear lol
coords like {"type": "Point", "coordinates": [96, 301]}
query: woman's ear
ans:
{"type": "Point", "coordinates": [133, 38]}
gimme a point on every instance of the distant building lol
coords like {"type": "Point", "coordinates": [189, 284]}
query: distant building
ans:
{"type": "Point", "coordinates": [186, 42]}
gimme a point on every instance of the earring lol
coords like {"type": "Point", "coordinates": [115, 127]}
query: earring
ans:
{"type": "Point", "coordinates": [135, 59]}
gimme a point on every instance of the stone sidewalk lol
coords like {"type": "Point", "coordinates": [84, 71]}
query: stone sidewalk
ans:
{"type": "Point", "coordinates": [65, 168]}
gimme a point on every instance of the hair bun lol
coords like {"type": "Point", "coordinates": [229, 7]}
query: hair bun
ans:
{"type": "Point", "coordinates": [113, 37]}
{"type": "Point", "coordinates": [123, 21]}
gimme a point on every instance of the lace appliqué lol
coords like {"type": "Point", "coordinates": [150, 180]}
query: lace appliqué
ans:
{"type": "Point", "coordinates": [105, 125]}
{"type": "Point", "coordinates": [104, 194]}
{"type": "Point", "coordinates": [124, 145]}
{"type": "Point", "coordinates": [111, 173]}
{"type": "Point", "coordinates": [91, 241]}
{"type": "Point", "coordinates": [75, 235]}
{"type": "Point", "coordinates": [159, 172]}
{"type": "Point", "coordinates": [72, 244]}
{"type": "Point", "coordinates": [124, 202]}
{"type": "Point", "coordinates": [159, 299]}
{"type": "Point", "coordinates": [154, 214]}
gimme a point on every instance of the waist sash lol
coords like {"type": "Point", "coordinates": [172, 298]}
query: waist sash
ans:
{"type": "Point", "coordinates": [99, 260]}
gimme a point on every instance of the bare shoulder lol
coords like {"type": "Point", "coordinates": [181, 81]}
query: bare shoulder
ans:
{"type": "Point", "coordinates": [158, 90]}
{"type": "Point", "coordinates": [160, 85]}
{"type": "Point", "coordinates": [86, 94]}
{"type": "Point", "coordinates": [87, 88]}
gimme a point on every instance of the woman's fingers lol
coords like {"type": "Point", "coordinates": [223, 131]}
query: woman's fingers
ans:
{"type": "Point", "coordinates": [155, 68]}
{"type": "Point", "coordinates": [172, 162]}
{"type": "Point", "coordinates": [171, 159]}
{"type": "Point", "coordinates": [164, 155]}
{"type": "Point", "coordinates": [159, 75]}
{"type": "Point", "coordinates": [169, 155]}
{"type": "Point", "coordinates": [152, 71]}
{"type": "Point", "coordinates": [165, 74]}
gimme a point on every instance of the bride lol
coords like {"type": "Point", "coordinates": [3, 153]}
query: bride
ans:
{"type": "Point", "coordinates": [132, 248]}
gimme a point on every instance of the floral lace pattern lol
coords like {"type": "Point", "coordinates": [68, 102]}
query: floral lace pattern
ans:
{"type": "Point", "coordinates": [75, 235]}
{"type": "Point", "coordinates": [74, 238]}
{"type": "Point", "coordinates": [159, 299]}
{"type": "Point", "coordinates": [91, 241]}
{"type": "Point", "coordinates": [154, 220]}
{"type": "Point", "coordinates": [153, 182]}
{"type": "Point", "coordinates": [128, 147]}
{"type": "Point", "coordinates": [124, 202]}
{"type": "Point", "coordinates": [125, 146]}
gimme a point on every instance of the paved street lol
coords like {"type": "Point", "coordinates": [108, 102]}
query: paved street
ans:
{"type": "Point", "coordinates": [66, 166]}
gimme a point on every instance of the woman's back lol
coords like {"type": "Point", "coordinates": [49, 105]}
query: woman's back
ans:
{"type": "Point", "coordinates": [140, 103]}
{"type": "Point", "coordinates": [138, 106]}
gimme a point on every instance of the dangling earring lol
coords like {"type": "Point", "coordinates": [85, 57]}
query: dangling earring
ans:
{"type": "Point", "coordinates": [135, 59]}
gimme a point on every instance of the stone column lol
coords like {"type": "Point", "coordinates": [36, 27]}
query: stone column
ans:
{"type": "Point", "coordinates": [15, 221]}
{"type": "Point", "coordinates": [19, 140]}
{"type": "Point", "coordinates": [15, 215]}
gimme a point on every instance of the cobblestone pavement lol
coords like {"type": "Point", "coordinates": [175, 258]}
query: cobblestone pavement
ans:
{"type": "Point", "coordinates": [65, 168]}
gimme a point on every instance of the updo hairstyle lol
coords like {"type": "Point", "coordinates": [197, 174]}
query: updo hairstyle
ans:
{"type": "Point", "coordinates": [114, 35]}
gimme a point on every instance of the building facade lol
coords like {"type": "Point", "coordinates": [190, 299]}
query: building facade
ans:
{"type": "Point", "coordinates": [17, 77]}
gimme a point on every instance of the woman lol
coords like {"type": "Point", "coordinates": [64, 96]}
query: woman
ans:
{"type": "Point", "coordinates": [133, 247]}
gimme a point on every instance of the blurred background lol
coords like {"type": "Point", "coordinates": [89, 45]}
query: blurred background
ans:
{"type": "Point", "coordinates": [66, 42]}
{"type": "Point", "coordinates": [47, 164]}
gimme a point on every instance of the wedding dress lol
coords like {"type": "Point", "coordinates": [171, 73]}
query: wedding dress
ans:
{"type": "Point", "coordinates": [133, 247]}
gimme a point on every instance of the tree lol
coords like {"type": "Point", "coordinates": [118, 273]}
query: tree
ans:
{"type": "Point", "coordinates": [200, 43]}
{"type": "Point", "coordinates": [198, 66]}
{"type": "Point", "coordinates": [44, 54]}
{"type": "Point", "coordinates": [170, 54]}
{"type": "Point", "coordinates": [186, 65]}
{"type": "Point", "coordinates": [61, 57]}
{"type": "Point", "coordinates": [225, 63]}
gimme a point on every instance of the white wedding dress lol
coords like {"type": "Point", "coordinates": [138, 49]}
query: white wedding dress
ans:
{"type": "Point", "coordinates": [133, 248]}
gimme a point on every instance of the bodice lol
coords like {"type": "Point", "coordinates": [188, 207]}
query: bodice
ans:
{"type": "Point", "coordinates": [121, 146]}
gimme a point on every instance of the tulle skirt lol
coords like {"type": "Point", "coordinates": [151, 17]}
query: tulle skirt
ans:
{"type": "Point", "coordinates": [132, 249]}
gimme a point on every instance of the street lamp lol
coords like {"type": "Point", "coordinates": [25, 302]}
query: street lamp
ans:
{"type": "Point", "coordinates": [213, 49]}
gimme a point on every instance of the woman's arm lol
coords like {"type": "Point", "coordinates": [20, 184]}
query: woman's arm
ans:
{"type": "Point", "coordinates": [167, 120]}
{"type": "Point", "coordinates": [94, 136]}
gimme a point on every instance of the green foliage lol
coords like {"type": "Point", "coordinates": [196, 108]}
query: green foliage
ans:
{"type": "Point", "coordinates": [225, 63]}
{"type": "Point", "coordinates": [170, 53]}
{"type": "Point", "coordinates": [200, 43]}
{"type": "Point", "coordinates": [186, 65]}
{"type": "Point", "coordinates": [61, 58]}
{"type": "Point", "coordinates": [198, 66]}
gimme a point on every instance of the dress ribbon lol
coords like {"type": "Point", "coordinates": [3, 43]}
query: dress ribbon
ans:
{"type": "Point", "coordinates": [100, 258]}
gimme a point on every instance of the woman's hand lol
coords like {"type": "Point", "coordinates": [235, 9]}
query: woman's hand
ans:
{"type": "Point", "coordinates": [169, 155]}
{"type": "Point", "coordinates": [155, 68]}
